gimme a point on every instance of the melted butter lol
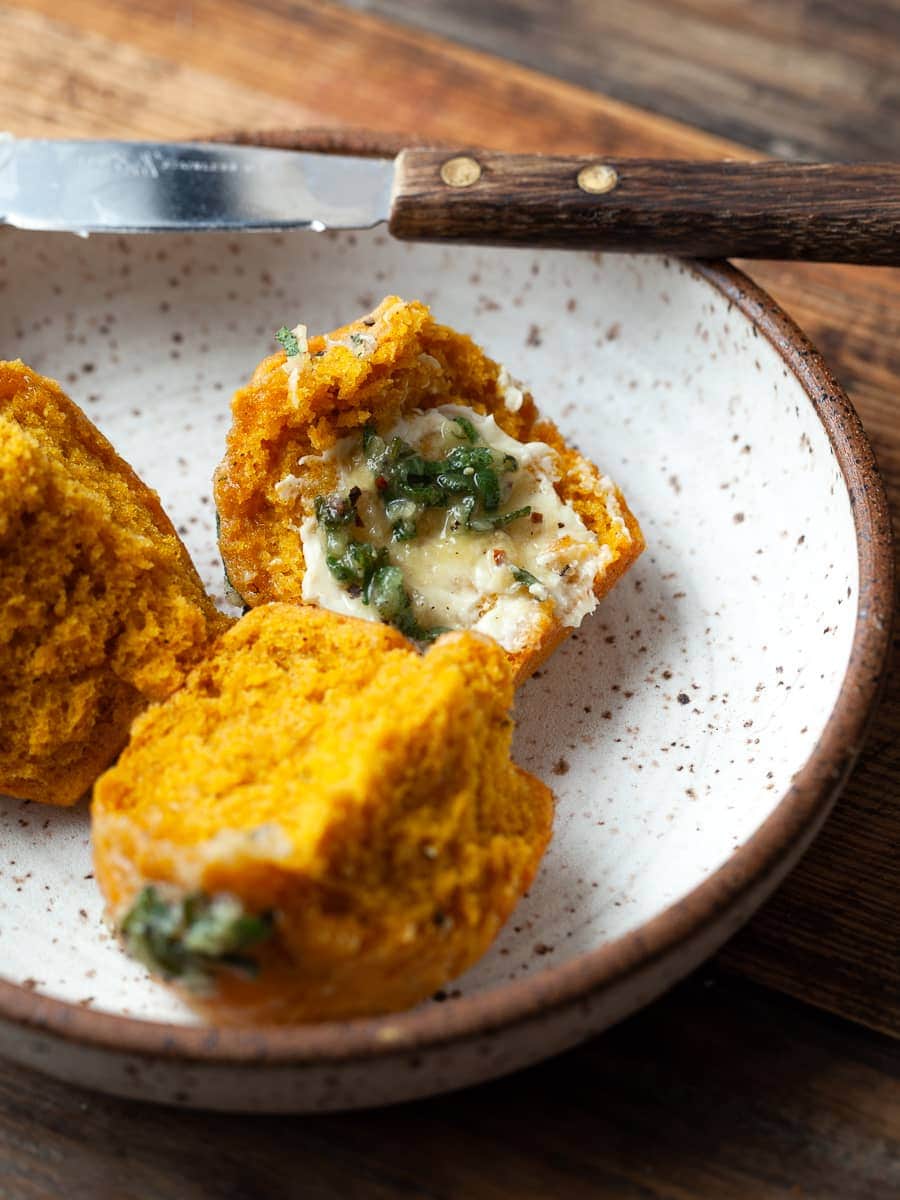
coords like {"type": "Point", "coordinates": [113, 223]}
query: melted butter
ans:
{"type": "Point", "coordinates": [456, 577]}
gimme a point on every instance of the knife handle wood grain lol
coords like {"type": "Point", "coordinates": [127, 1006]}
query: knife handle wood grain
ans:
{"type": "Point", "coordinates": [820, 212]}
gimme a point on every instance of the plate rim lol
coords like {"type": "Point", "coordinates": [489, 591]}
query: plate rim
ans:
{"type": "Point", "coordinates": [798, 813]}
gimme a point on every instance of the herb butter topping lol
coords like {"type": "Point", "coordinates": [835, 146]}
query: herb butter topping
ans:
{"type": "Point", "coordinates": [188, 937]}
{"type": "Point", "coordinates": [445, 522]}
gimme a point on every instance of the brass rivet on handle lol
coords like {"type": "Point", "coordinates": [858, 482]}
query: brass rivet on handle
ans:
{"type": "Point", "coordinates": [462, 171]}
{"type": "Point", "coordinates": [597, 178]}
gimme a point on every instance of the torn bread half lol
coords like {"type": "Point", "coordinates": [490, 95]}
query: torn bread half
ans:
{"type": "Point", "coordinates": [390, 470]}
{"type": "Point", "coordinates": [322, 823]}
{"type": "Point", "coordinates": [101, 608]}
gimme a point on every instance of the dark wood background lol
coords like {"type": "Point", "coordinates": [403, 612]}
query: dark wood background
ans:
{"type": "Point", "coordinates": [808, 79]}
{"type": "Point", "coordinates": [721, 1091]}
{"type": "Point", "coordinates": [726, 1088]}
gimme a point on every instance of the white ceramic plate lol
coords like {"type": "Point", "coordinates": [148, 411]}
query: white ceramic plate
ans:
{"type": "Point", "coordinates": [685, 728]}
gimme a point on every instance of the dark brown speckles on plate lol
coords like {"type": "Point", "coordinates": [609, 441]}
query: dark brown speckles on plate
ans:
{"type": "Point", "coordinates": [653, 404]}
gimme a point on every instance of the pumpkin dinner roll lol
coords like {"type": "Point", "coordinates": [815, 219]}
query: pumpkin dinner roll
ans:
{"type": "Point", "coordinates": [101, 609]}
{"type": "Point", "coordinates": [390, 470]}
{"type": "Point", "coordinates": [323, 822]}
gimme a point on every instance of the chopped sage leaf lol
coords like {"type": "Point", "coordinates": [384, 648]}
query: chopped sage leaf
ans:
{"type": "Point", "coordinates": [188, 938]}
{"type": "Point", "coordinates": [288, 339]}
{"type": "Point", "coordinates": [466, 429]}
{"type": "Point", "coordinates": [454, 482]}
{"type": "Point", "coordinates": [388, 596]}
{"type": "Point", "coordinates": [520, 575]}
{"type": "Point", "coordinates": [469, 483]}
{"type": "Point", "coordinates": [357, 563]}
{"type": "Point", "coordinates": [427, 635]}
{"type": "Point", "coordinates": [335, 510]}
{"type": "Point", "coordinates": [403, 515]}
{"type": "Point", "coordinates": [461, 511]}
{"type": "Point", "coordinates": [487, 524]}
{"type": "Point", "coordinates": [488, 487]}
{"type": "Point", "coordinates": [351, 562]}
{"type": "Point", "coordinates": [470, 456]}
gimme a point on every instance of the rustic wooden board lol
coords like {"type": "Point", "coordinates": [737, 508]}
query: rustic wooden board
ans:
{"type": "Point", "coordinates": [789, 77]}
{"type": "Point", "coordinates": [164, 68]}
{"type": "Point", "coordinates": [723, 1091]}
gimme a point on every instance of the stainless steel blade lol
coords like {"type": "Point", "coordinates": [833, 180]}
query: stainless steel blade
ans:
{"type": "Point", "coordinates": [137, 187]}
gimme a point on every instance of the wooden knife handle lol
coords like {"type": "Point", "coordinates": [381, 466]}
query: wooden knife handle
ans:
{"type": "Point", "coordinates": [821, 212]}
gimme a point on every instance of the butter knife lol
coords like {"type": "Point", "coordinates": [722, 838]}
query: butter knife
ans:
{"type": "Point", "coordinates": [824, 212]}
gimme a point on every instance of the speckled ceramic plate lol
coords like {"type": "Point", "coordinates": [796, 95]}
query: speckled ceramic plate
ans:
{"type": "Point", "coordinates": [694, 730]}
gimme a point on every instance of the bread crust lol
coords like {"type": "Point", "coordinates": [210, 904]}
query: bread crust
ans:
{"type": "Point", "coordinates": [411, 362]}
{"type": "Point", "coordinates": [101, 609]}
{"type": "Point", "coordinates": [317, 768]}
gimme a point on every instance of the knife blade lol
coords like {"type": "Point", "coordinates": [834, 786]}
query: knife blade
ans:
{"type": "Point", "coordinates": [839, 212]}
{"type": "Point", "coordinates": [138, 187]}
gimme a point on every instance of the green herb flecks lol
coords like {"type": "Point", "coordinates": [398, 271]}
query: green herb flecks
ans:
{"type": "Point", "coordinates": [190, 937]}
{"type": "Point", "coordinates": [335, 511]}
{"type": "Point", "coordinates": [470, 482]}
{"type": "Point", "coordinates": [387, 594]}
{"type": "Point", "coordinates": [467, 430]}
{"type": "Point", "coordinates": [534, 586]}
{"type": "Point", "coordinates": [351, 562]}
{"type": "Point", "coordinates": [288, 340]}
{"type": "Point", "coordinates": [365, 570]}
{"type": "Point", "coordinates": [488, 524]}
{"type": "Point", "coordinates": [520, 575]}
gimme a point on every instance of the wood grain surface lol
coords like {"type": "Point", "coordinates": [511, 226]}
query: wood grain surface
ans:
{"type": "Point", "coordinates": [813, 79]}
{"type": "Point", "coordinates": [724, 1091]}
{"type": "Point", "coordinates": [714, 1092]}
{"type": "Point", "coordinates": [816, 212]}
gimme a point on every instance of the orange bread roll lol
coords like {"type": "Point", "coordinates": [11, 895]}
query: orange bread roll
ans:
{"type": "Point", "coordinates": [101, 609]}
{"type": "Point", "coordinates": [391, 470]}
{"type": "Point", "coordinates": [323, 822]}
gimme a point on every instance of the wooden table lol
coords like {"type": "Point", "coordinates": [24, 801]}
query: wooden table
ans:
{"type": "Point", "coordinates": [726, 1087]}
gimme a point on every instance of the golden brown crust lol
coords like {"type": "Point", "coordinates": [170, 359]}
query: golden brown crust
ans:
{"type": "Point", "coordinates": [410, 362]}
{"type": "Point", "coordinates": [101, 609]}
{"type": "Point", "coordinates": [317, 766]}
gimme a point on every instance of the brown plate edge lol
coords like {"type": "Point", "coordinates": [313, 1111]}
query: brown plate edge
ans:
{"type": "Point", "coordinates": [802, 808]}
